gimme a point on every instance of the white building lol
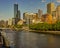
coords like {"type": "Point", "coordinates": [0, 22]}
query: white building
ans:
{"type": "Point", "coordinates": [10, 22]}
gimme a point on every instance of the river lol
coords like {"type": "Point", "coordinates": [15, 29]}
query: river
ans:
{"type": "Point", "coordinates": [25, 39]}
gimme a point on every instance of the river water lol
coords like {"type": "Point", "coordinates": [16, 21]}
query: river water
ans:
{"type": "Point", "coordinates": [25, 39]}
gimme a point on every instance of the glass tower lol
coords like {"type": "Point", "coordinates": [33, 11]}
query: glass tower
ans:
{"type": "Point", "coordinates": [15, 10]}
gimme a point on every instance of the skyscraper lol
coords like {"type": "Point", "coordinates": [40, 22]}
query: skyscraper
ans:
{"type": "Point", "coordinates": [54, 14]}
{"type": "Point", "coordinates": [50, 8]}
{"type": "Point", "coordinates": [58, 12]}
{"type": "Point", "coordinates": [16, 14]}
{"type": "Point", "coordinates": [15, 10]}
{"type": "Point", "coordinates": [26, 17]}
{"type": "Point", "coordinates": [40, 13]}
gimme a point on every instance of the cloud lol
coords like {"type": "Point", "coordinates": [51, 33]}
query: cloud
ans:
{"type": "Point", "coordinates": [58, 1]}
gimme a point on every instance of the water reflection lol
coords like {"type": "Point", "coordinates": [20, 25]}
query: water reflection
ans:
{"type": "Point", "coordinates": [54, 42]}
{"type": "Point", "coordinates": [35, 40]}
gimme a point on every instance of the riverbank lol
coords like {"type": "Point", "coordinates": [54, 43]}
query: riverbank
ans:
{"type": "Point", "coordinates": [46, 32]}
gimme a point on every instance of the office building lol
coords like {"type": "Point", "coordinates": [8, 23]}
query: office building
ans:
{"type": "Point", "coordinates": [28, 17]}
{"type": "Point", "coordinates": [47, 18]}
{"type": "Point", "coordinates": [10, 22]}
{"type": "Point", "coordinates": [58, 12]}
{"type": "Point", "coordinates": [50, 8]}
{"type": "Point", "coordinates": [40, 13]}
{"type": "Point", "coordinates": [16, 14]}
{"type": "Point", "coordinates": [19, 16]}
{"type": "Point", "coordinates": [54, 15]}
{"type": "Point", "coordinates": [15, 10]}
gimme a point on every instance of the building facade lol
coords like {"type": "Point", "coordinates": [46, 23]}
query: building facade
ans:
{"type": "Point", "coordinates": [28, 17]}
{"type": "Point", "coordinates": [47, 18]}
{"type": "Point", "coordinates": [16, 14]}
{"type": "Point", "coordinates": [10, 22]}
{"type": "Point", "coordinates": [15, 10]}
{"type": "Point", "coordinates": [54, 15]}
{"type": "Point", "coordinates": [19, 16]}
{"type": "Point", "coordinates": [58, 12]}
{"type": "Point", "coordinates": [40, 13]}
{"type": "Point", "coordinates": [50, 8]}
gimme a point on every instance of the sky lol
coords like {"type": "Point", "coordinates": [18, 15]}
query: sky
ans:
{"type": "Point", "coordinates": [7, 7]}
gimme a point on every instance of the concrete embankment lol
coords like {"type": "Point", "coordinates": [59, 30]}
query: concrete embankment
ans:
{"type": "Point", "coordinates": [7, 42]}
{"type": "Point", "coordinates": [46, 32]}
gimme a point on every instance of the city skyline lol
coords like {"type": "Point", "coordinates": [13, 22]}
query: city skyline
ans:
{"type": "Point", "coordinates": [7, 9]}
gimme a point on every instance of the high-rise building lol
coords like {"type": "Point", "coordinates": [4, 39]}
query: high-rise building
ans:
{"type": "Point", "coordinates": [54, 14]}
{"type": "Point", "coordinates": [10, 22]}
{"type": "Point", "coordinates": [58, 12]}
{"type": "Point", "coordinates": [28, 17]}
{"type": "Point", "coordinates": [50, 8]}
{"type": "Point", "coordinates": [16, 14]}
{"type": "Point", "coordinates": [2, 23]}
{"type": "Point", "coordinates": [40, 13]}
{"type": "Point", "coordinates": [15, 10]}
{"type": "Point", "coordinates": [6, 23]}
{"type": "Point", "coordinates": [47, 18]}
{"type": "Point", "coordinates": [13, 21]}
